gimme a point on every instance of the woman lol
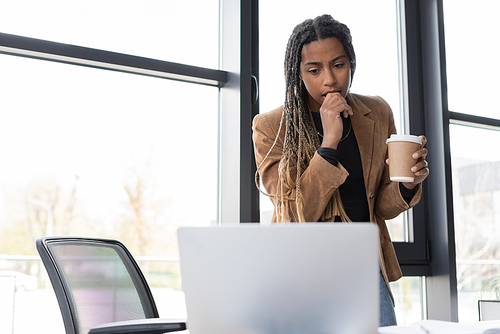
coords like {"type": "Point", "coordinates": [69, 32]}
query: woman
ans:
{"type": "Point", "coordinates": [322, 157]}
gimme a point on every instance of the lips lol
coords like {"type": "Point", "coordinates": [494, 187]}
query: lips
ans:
{"type": "Point", "coordinates": [332, 91]}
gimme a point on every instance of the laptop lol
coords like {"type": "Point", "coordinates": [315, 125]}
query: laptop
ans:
{"type": "Point", "coordinates": [313, 278]}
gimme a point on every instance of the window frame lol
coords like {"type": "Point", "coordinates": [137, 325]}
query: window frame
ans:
{"type": "Point", "coordinates": [428, 111]}
{"type": "Point", "coordinates": [414, 256]}
{"type": "Point", "coordinates": [458, 118]}
{"type": "Point", "coordinates": [249, 194]}
{"type": "Point", "coordinates": [83, 56]}
{"type": "Point", "coordinates": [22, 46]}
{"type": "Point", "coordinates": [432, 252]}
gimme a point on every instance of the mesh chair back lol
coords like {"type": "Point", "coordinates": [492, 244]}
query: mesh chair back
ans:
{"type": "Point", "coordinates": [96, 281]}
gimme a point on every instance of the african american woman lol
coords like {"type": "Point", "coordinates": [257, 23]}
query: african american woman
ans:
{"type": "Point", "coordinates": [322, 156]}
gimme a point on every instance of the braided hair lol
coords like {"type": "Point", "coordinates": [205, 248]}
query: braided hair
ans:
{"type": "Point", "coordinates": [301, 141]}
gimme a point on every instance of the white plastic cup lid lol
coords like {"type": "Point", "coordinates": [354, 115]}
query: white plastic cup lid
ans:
{"type": "Point", "coordinates": [408, 138]}
{"type": "Point", "coordinates": [402, 179]}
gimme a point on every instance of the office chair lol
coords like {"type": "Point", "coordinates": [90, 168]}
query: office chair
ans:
{"type": "Point", "coordinates": [100, 288]}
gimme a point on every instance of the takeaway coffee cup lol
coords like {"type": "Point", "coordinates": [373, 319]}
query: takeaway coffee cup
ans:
{"type": "Point", "coordinates": [401, 148]}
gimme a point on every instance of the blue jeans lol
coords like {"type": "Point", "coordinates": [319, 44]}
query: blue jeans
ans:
{"type": "Point", "coordinates": [387, 314]}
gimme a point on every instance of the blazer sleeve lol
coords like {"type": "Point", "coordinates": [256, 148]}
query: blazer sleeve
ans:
{"type": "Point", "coordinates": [317, 183]}
{"type": "Point", "coordinates": [389, 201]}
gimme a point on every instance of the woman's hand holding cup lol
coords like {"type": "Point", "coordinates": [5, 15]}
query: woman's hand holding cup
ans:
{"type": "Point", "coordinates": [409, 169]}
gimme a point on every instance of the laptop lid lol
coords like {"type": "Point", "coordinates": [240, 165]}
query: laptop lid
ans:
{"type": "Point", "coordinates": [293, 278]}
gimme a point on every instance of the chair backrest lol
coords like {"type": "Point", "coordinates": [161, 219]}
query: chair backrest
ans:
{"type": "Point", "coordinates": [96, 281]}
{"type": "Point", "coordinates": [489, 310]}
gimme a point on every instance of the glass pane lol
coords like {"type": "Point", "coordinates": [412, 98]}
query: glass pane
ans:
{"type": "Point", "coordinates": [476, 202]}
{"type": "Point", "coordinates": [377, 73]}
{"type": "Point", "coordinates": [104, 154]}
{"type": "Point", "coordinates": [408, 292]}
{"type": "Point", "coordinates": [150, 28]}
{"type": "Point", "coordinates": [371, 78]}
{"type": "Point", "coordinates": [398, 228]}
{"type": "Point", "coordinates": [472, 56]}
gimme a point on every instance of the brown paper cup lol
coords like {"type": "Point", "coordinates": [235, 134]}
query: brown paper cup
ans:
{"type": "Point", "coordinates": [401, 148]}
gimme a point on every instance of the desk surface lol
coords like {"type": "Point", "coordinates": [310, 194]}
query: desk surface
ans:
{"type": "Point", "coordinates": [443, 327]}
{"type": "Point", "coordinates": [437, 327]}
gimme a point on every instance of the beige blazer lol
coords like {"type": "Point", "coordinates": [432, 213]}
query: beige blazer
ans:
{"type": "Point", "coordinates": [372, 123]}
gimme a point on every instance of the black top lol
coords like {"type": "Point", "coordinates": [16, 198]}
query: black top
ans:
{"type": "Point", "coordinates": [352, 191]}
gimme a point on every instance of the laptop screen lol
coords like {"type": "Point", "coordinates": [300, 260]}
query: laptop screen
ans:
{"type": "Point", "coordinates": [286, 278]}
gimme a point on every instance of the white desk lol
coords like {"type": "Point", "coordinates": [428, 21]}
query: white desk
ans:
{"type": "Point", "coordinates": [437, 327]}
{"type": "Point", "coordinates": [444, 327]}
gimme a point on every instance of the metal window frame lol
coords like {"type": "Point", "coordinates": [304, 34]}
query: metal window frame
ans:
{"type": "Point", "coordinates": [249, 194]}
{"type": "Point", "coordinates": [238, 197]}
{"type": "Point", "coordinates": [475, 121]}
{"type": "Point", "coordinates": [413, 256]}
{"type": "Point", "coordinates": [78, 55]}
{"type": "Point", "coordinates": [429, 115]}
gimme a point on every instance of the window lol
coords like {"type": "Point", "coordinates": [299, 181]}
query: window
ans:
{"type": "Point", "coordinates": [474, 124]}
{"type": "Point", "coordinates": [377, 73]}
{"type": "Point", "coordinates": [476, 196]}
{"type": "Point", "coordinates": [466, 35]}
{"type": "Point", "coordinates": [157, 39]}
{"type": "Point", "coordinates": [105, 152]}
{"type": "Point", "coordinates": [408, 295]}
{"type": "Point", "coordinates": [108, 153]}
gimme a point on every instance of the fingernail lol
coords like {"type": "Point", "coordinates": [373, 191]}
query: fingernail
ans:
{"type": "Point", "coordinates": [415, 155]}
{"type": "Point", "coordinates": [414, 169]}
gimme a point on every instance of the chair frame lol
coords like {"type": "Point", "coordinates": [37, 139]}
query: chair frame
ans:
{"type": "Point", "coordinates": [152, 323]}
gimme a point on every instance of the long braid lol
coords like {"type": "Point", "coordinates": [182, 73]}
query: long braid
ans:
{"type": "Point", "coordinates": [301, 141]}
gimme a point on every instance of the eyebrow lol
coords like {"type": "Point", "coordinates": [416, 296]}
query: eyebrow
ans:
{"type": "Point", "coordinates": [331, 61]}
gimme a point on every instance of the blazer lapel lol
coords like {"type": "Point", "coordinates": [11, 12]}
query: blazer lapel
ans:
{"type": "Point", "coordinates": [363, 126]}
